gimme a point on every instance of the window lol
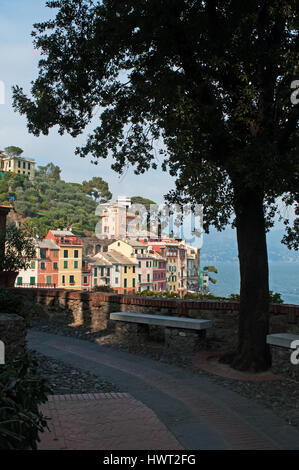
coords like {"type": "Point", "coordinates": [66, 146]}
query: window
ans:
{"type": "Point", "coordinates": [19, 281]}
{"type": "Point", "coordinates": [55, 266]}
{"type": "Point", "coordinates": [72, 279]}
{"type": "Point", "coordinates": [63, 280]}
{"type": "Point", "coordinates": [117, 268]}
{"type": "Point", "coordinates": [32, 281]}
{"type": "Point", "coordinates": [85, 280]}
{"type": "Point", "coordinates": [125, 270]}
{"type": "Point", "coordinates": [116, 280]}
{"type": "Point", "coordinates": [43, 253]}
{"type": "Point", "coordinates": [32, 265]}
{"type": "Point", "coordinates": [49, 280]}
{"type": "Point", "coordinates": [65, 264]}
{"type": "Point", "coordinates": [19, 164]}
{"type": "Point", "coordinates": [118, 243]}
{"type": "Point", "coordinates": [148, 278]}
{"type": "Point", "coordinates": [55, 253]}
{"type": "Point", "coordinates": [29, 166]}
{"type": "Point", "coordinates": [139, 277]}
{"type": "Point", "coordinates": [133, 282]}
{"type": "Point", "coordinates": [133, 269]}
{"type": "Point", "coordinates": [95, 281]}
{"type": "Point", "coordinates": [76, 253]}
{"type": "Point", "coordinates": [65, 253]}
{"type": "Point", "coordinates": [75, 264]}
{"type": "Point", "coordinates": [139, 264]}
{"type": "Point", "coordinates": [108, 272]}
{"type": "Point", "coordinates": [125, 282]}
{"type": "Point", "coordinates": [95, 272]}
{"type": "Point", "coordinates": [24, 165]}
{"type": "Point", "coordinates": [42, 265]}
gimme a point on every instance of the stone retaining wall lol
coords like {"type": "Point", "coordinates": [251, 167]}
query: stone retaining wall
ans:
{"type": "Point", "coordinates": [12, 334]}
{"type": "Point", "coordinates": [93, 309]}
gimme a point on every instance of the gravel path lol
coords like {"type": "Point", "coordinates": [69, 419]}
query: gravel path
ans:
{"type": "Point", "coordinates": [65, 379]}
{"type": "Point", "coordinates": [282, 397]}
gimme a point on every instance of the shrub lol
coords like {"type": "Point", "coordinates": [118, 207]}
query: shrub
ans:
{"type": "Point", "coordinates": [20, 394]}
{"type": "Point", "coordinates": [19, 249]}
{"type": "Point", "coordinates": [102, 289]}
{"type": "Point", "coordinates": [274, 297]}
{"type": "Point", "coordinates": [10, 302]}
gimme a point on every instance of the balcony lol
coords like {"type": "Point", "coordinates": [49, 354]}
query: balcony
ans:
{"type": "Point", "coordinates": [39, 285]}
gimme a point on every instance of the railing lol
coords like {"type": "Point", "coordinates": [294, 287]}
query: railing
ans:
{"type": "Point", "coordinates": [39, 285]}
{"type": "Point", "coordinates": [73, 242]}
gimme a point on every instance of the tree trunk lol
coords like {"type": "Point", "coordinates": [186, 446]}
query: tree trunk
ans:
{"type": "Point", "coordinates": [253, 353]}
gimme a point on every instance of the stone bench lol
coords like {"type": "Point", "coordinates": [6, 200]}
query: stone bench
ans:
{"type": "Point", "coordinates": [283, 340]}
{"type": "Point", "coordinates": [180, 333]}
{"type": "Point", "coordinates": [283, 348]}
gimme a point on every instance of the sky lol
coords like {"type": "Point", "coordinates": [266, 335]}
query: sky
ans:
{"type": "Point", "coordinates": [19, 66]}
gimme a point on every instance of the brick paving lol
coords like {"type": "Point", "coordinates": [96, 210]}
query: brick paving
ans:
{"type": "Point", "coordinates": [103, 421]}
{"type": "Point", "coordinates": [174, 407]}
{"type": "Point", "coordinates": [207, 361]}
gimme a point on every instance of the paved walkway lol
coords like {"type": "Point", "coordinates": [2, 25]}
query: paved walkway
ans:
{"type": "Point", "coordinates": [161, 402]}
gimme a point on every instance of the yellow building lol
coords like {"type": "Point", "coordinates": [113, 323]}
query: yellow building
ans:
{"type": "Point", "coordinates": [22, 166]}
{"type": "Point", "coordinates": [126, 255]}
{"type": "Point", "coordinates": [70, 258]}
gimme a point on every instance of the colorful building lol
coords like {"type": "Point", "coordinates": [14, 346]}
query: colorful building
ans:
{"type": "Point", "coordinates": [159, 273]}
{"type": "Point", "coordinates": [43, 269]}
{"type": "Point", "coordinates": [121, 269]}
{"type": "Point", "coordinates": [20, 165]}
{"type": "Point", "coordinates": [168, 249]}
{"type": "Point", "coordinates": [116, 220]}
{"type": "Point", "coordinates": [70, 258]}
{"type": "Point", "coordinates": [48, 263]}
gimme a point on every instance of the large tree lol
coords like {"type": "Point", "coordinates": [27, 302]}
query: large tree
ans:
{"type": "Point", "coordinates": [13, 151]}
{"type": "Point", "coordinates": [97, 188]}
{"type": "Point", "coordinates": [211, 80]}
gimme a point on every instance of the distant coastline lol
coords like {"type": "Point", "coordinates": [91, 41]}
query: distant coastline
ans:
{"type": "Point", "coordinates": [284, 278]}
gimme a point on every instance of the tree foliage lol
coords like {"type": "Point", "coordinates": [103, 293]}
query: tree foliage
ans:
{"type": "Point", "coordinates": [47, 202]}
{"type": "Point", "coordinates": [212, 79]}
{"type": "Point", "coordinates": [97, 188]}
{"type": "Point", "coordinates": [13, 151]}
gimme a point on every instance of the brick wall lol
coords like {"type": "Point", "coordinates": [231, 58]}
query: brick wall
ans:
{"type": "Point", "coordinates": [92, 310]}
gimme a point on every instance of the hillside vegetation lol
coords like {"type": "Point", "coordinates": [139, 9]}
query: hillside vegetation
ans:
{"type": "Point", "coordinates": [49, 202]}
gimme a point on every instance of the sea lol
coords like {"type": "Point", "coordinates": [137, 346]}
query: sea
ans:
{"type": "Point", "coordinates": [283, 278]}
